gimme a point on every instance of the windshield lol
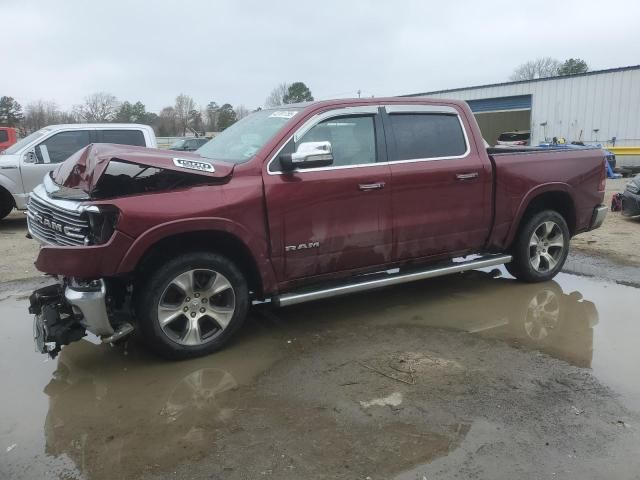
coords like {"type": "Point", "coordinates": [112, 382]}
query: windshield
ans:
{"type": "Point", "coordinates": [177, 144]}
{"type": "Point", "coordinates": [26, 141]}
{"type": "Point", "coordinates": [243, 139]}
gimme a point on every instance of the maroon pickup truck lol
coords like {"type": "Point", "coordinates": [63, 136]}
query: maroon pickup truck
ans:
{"type": "Point", "coordinates": [293, 204]}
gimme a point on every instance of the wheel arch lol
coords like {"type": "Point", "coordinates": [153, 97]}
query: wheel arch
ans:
{"type": "Point", "coordinates": [223, 237]}
{"type": "Point", "coordinates": [557, 197]}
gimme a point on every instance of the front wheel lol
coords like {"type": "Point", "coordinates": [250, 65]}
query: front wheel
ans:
{"type": "Point", "coordinates": [6, 203]}
{"type": "Point", "coordinates": [541, 247]}
{"type": "Point", "coordinates": [192, 305]}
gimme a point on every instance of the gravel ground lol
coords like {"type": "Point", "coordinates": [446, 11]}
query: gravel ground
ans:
{"type": "Point", "coordinates": [18, 252]}
{"type": "Point", "coordinates": [449, 378]}
{"type": "Point", "coordinates": [619, 237]}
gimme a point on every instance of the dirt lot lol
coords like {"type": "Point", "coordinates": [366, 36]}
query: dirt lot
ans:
{"type": "Point", "coordinates": [618, 240]}
{"type": "Point", "coordinates": [18, 252]}
{"type": "Point", "coordinates": [619, 237]}
{"type": "Point", "coordinates": [468, 376]}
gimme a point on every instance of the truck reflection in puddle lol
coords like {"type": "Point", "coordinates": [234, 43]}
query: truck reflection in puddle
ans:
{"type": "Point", "coordinates": [540, 316]}
{"type": "Point", "coordinates": [122, 415]}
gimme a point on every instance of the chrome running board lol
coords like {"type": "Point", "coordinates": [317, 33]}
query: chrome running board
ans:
{"type": "Point", "coordinates": [370, 282]}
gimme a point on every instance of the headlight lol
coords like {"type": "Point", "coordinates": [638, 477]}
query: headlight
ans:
{"type": "Point", "coordinates": [633, 188]}
{"type": "Point", "coordinates": [102, 223]}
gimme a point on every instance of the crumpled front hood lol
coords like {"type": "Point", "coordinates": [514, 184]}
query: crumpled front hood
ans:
{"type": "Point", "coordinates": [84, 168]}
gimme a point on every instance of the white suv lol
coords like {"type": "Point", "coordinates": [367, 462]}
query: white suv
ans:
{"type": "Point", "coordinates": [24, 164]}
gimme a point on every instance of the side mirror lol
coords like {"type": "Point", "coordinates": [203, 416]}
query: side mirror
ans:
{"type": "Point", "coordinates": [30, 157]}
{"type": "Point", "coordinates": [308, 155]}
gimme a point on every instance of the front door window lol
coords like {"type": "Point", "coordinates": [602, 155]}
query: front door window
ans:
{"type": "Point", "coordinates": [61, 146]}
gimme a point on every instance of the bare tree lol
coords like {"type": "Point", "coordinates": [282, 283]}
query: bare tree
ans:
{"type": "Point", "coordinates": [167, 123]}
{"type": "Point", "coordinates": [97, 107]}
{"type": "Point", "coordinates": [241, 112]}
{"type": "Point", "coordinates": [183, 108]}
{"type": "Point", "coordinates": [276, 97]}
{"type": "Point", "coordinates": [41, 113]}
{"type": "Point", "coordinates": [212, 116]}
{"type": "Point", "coordinates": [540, 68]}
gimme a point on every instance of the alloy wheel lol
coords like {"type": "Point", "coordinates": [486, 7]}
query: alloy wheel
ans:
{"type": "Point", "coordinates": [196, 307]}
{"type": "Point", "coordinates": [546, 246]}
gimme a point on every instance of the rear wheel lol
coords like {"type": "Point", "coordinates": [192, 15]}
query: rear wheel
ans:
{"type": "Point", "coordinates": [541, 247]}
{"type": "Point", "coordinates": [192, 305]}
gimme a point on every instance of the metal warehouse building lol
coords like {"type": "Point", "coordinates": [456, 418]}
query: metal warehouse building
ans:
{"type": "Point", "coordinates": [593, 106]}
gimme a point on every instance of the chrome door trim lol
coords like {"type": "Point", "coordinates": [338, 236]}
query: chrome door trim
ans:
{"type": "Point", "coordinates": [371, 109]}
{"type": "Point", "coordinates": [313, 121]}
{"type": "Point", "coordinates": [393, 108]}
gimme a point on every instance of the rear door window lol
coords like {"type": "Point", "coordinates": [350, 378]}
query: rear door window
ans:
{"type": "Point", "coordinates": [61, 146]}
{"type": "Point", "coordinates": [123, 137]}
{"type": "Point", "coordinates": [427, 135]}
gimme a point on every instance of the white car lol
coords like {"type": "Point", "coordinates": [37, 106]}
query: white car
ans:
{"type": "Point", "coordinates": [24, 164]}
{"type": "Point", "coordinates": [514, 139]}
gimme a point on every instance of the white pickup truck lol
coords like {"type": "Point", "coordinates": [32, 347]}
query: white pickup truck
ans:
{"type": "Point", "coordinates": [24, 164]}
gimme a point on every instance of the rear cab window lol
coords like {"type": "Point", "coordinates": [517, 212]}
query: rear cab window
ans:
{"type": "Point", "coordinates": [4, 136]}
{"type": "Point", "coordinates": [514, 136]}
{"type": "Point", "coordinates": [427, 135]}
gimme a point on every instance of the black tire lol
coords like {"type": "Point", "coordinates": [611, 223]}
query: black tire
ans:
{"type": "Point", "coordinates": [161, 283]}
{"type": "Point", "coordinates": [6, 203]}
{"type": "Point", "coordinates": [522, 266]}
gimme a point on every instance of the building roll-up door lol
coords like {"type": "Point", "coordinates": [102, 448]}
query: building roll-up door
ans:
{"type": "Point", "coordinates": [502, 114]}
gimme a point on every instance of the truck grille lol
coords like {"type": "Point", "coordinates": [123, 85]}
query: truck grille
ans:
{"type": "Point", "coordinates": [51, 223]}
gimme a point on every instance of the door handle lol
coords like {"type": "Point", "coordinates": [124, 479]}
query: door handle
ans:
{"type": "Point", "coordinates": [467, 176]}
{"type": "Point", "coordinates": [365, 187]}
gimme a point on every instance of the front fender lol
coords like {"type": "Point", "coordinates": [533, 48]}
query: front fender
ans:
{"type": "Point", "coordinates": [256, 246]}
{"type": "Point", "coordinates": [11, 185]}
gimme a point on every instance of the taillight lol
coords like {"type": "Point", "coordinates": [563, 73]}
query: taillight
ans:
{"type": "Point", "coordinates": [603, 177]}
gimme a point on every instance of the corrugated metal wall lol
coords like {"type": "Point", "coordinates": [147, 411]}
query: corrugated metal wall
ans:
{"type": "Point", "coordinates": [608, 101]}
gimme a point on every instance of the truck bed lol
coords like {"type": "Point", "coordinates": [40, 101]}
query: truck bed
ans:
{"type": "Point", "coordinates": [522, 174]}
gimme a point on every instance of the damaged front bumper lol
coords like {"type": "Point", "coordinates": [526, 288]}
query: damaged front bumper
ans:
{"type": "Point", "coordinates": [64, 313]}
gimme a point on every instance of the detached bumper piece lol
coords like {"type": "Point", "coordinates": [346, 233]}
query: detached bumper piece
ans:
{"type": "Point", "coordinates": [55, 323]}
{"type": "Point", "coordinates": [64, 314]}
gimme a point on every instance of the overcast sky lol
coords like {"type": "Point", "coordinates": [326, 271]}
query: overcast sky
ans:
{"type": "Point", "coordinates": [237, 51]}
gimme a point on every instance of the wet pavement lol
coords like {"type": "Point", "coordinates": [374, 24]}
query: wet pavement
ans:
{"type": "Point", "coordinates": [468, 376]}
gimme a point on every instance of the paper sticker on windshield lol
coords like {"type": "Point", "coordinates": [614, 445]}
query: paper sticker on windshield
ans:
{"type": "Point", "coordinates": [283, 114]}
{"type": "Point", "coordinates": [193, 165]}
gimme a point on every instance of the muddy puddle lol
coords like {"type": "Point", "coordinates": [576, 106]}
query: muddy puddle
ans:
{"type": "Point", "coordinates": [373, 384]}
